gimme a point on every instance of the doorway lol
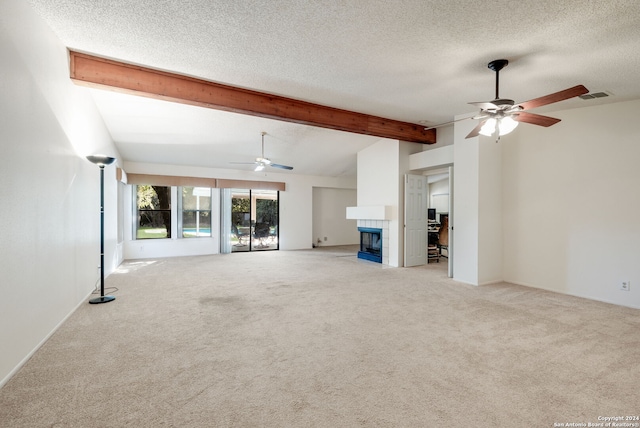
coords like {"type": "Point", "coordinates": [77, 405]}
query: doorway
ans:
{"type": "Point", "coordinates": [254, 218]}
{"type": "Point", "coordinates": [440, 216]}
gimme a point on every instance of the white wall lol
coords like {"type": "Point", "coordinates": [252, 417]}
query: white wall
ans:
{"type": "Point", "coordinates": [329, 221]}
{"type": "Point", "coordinates": [490, 210]}
{"type": "Point", "coordinates": [439, 188]}
{"type": "Point", "coordinates": [571, 204]}
{"type": "Point", "coordinates": [477, 248]}
{"type": "Point", "coordinates": [296, 209]}
{"type": "Point", "coordinates": [432, 158]}
{"type": "Point", "coordinates": [49, 220]}
{"type": "Point", "coordinates": [377, 174]}
{"type": "Point", "coordinates": [465, 200]}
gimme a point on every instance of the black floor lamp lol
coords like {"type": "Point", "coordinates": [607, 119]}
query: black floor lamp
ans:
{"type": "Point", "coordinates": [101, 161]}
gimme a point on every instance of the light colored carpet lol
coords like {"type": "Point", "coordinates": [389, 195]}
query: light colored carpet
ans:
{"type": "Point", "coordinates": [319, 338]}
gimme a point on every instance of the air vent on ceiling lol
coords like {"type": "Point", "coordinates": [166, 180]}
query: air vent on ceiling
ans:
{"type": "Point", "coordinates": [594, 95]}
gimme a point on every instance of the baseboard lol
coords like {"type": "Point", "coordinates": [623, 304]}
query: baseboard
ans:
{"type": "Point", "coordinates": [582, 296]}
{"type": "Point", "coordinates": [464, 282]}
{"type": "Point", "coordinates": [497, 281]}
{"type": "Point", "coordinates": [17, 368]}
{"type": "Point", "coordinates": [494, 281]}
{"type": "Point", "coordinates": [522, 284]}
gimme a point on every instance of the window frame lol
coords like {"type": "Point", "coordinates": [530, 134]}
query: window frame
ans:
{"type": "Point", "coordinates": [137, 211]}
{"type": "Point", "coordinates": [182, 210]}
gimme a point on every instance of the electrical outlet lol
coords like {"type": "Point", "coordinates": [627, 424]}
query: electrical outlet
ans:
{"type": "Point", "coordinates": [625, 285]}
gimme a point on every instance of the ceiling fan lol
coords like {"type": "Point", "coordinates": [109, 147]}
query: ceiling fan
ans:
{"type": "Point", "coordinates": [262, 162]}
{"type": "Point", "coordinates": [503, 115]}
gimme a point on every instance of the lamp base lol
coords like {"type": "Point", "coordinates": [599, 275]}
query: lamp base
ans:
{"type": "Point", "coordinates": [102, 299]}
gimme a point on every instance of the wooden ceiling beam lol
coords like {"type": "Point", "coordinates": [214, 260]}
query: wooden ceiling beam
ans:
{"type": "Point", "coordinates": [118, 76]}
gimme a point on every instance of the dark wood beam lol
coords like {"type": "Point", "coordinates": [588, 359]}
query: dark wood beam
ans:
{"type": "Point", "coordinates": [113, 75]}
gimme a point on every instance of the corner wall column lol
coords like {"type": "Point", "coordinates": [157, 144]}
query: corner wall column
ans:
{"type": "Point", "coordinates": [478, 203]}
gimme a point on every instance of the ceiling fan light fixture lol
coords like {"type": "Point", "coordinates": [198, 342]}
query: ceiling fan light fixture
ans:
{"type": "Point", "coordinates": [503, 125]}
{"type": "Point", "coordinates": [506, 125]}
{"type": "Point", "coordinates": [259, 167]}
{"type": "Point", "coordinates": [489, 127]}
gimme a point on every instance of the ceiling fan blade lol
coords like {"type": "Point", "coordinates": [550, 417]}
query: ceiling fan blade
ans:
{"type": "Point", "coordinates": [481, 115]}
{"type": "Point", "coordinates": [485, 105]}
{"type": "Point", "coordinates": [440, 125]}
{"type": "Point", "coordinates": [275, 165]}
{"type": "Point", "coordinates": [243, 163]}
{"type": "Point", "coordinates": [476, 130]}
{"type": "Point", "coordinates": [535, 119]}
{"type": "Point", "coordinates": [554, 98]}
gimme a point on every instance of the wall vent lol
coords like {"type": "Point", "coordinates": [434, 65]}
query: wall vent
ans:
{"type": "Point", "coordinates": [594, 95]}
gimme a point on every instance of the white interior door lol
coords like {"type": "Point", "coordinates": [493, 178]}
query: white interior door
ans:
{"type": "Point", "coordinates": [415, 220]}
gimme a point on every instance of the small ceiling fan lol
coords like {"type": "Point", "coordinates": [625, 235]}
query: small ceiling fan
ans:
{"type": "Point", "coordinates": [503, 115]}
{"type": "Point", "coordinates": [262, 162]}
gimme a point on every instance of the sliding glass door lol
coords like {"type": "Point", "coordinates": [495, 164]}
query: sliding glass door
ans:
{"type": "Point", "coordinates": [241, 225]}
{"type": "Point", "coordinates": [254, 220]}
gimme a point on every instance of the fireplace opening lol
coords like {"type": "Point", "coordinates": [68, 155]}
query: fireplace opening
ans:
{"type": "Point", "coordinates": [370, 244]}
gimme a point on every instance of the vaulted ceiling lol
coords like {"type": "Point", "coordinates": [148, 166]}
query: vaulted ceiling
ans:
{"type": "Point", "coordinates": [416, 61]}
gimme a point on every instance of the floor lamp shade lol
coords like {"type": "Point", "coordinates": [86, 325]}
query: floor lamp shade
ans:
{"type": "Point", "coordinates": [101, 161]}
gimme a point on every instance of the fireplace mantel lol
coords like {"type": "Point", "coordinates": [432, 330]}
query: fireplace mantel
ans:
{"type": "Point", "coordinates": [373, 212]}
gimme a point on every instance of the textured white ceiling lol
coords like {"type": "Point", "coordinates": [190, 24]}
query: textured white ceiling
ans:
{"type": "Point", "coordinates": [411, 60]}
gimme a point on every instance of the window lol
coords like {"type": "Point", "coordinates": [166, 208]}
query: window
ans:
{"type": "Point", "coordinates": [154, 212]}
{"type": "Point", "coordinates": [196, 212]}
